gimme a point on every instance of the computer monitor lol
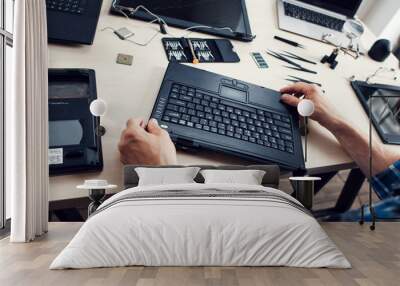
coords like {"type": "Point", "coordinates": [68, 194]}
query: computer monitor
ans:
{"type": "Point", "coordinates": [189, 13]}
{"type": "Point", "coordinates": [345, 7]}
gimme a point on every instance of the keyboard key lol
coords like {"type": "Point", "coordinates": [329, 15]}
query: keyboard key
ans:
{"type": "Point", "coordinates": [206, 128]}
{"type": "Point", "coordinates": [190, 124]}
{"type": "Point", "coordinates": [172, 114]}
{"type": "Point", "coordinates": [238, 112]}
{"type": "Point", "coordinates": [177, 102]}
{"type": "Point", "coordinates": [284, 130]}
{"type": "Point", "coordinates": [203, 121]}
{"type": "Point", "coordinates": [282, 124]}
{"type": "Point", "coordinates": [172, 107]}
{"type": "Point", "coordinates": [226, 121]}
{"type": "Point", "coordinates": [198, 126]}
{"type": "Point", "coordinates": [182, 122]}
{"type": "Point", "coordinates": [195, 119]}
{"type": "Point", "coordinates": [185, 97]}
{"type": "Point", "coordinates": [221, 132]}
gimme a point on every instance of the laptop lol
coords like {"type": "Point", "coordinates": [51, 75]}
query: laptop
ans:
{"type": "Point", "coordinates": [204, 110]}
{"type": "Point", "coordinates": [317, 18]}
{"type": "Point", "coordinates": [72, 21]}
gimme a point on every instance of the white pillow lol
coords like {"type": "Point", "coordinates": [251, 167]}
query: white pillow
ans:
{"type": "Point", "coordinates": [247, 177]}
{"type": "Point", "coordinates": [165, 176]}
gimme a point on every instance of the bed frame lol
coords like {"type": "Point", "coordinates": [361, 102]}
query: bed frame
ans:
{"type": "Point", "coordinates": [271, 177]}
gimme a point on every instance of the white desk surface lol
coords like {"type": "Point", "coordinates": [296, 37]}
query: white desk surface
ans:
{"type": "Point", "coordinates": [130, 91]}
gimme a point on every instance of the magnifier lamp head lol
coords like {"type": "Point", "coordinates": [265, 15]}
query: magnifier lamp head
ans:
{"type": "Point", "coordinates": [305, 108]}
{"type": "Point", "coordinates": [98, 107]}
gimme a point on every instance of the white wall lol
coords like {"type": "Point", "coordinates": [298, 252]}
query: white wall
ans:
{"type": "Point", "coordinates": [382, 17]}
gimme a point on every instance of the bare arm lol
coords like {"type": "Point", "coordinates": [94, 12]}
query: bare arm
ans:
{"type": "Point", "coordinates": [355, 143]}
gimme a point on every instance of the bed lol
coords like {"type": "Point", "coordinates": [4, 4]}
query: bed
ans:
{"type": "Point", "coordinates": [201, 224]}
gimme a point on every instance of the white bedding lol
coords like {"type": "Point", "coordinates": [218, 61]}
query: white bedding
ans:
{"type": "Point", "coordinates": [189, 230]}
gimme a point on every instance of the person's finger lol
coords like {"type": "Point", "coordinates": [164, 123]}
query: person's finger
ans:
{"type": "Point", "coordinates": [298, 88]}
{"type": "Point", "coordinates": [153, 127]}
{"type": "Point", "coordinates": [135, 122]}
{"type": "Point", "coordinates": [134, 131]}
{"type": "Point", "coordinates": [290, 100]}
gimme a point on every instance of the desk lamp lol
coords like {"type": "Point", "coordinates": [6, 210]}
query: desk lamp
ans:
{"type": "Point", "coordinates": [304, 186]}
{"type": "Point", "coordinates": [98, 109]}
{"type": "Point", "coordinates": [370, 206]}
{"type": "Point", "coordinates": [305, 108]}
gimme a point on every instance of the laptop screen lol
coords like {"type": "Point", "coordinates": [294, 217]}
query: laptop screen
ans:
{"type": "Point", "coordinates": [344, 7]}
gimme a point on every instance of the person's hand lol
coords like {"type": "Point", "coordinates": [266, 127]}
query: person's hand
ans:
{"type": "Point", "coordinates": [147, 145]}
{"type": "Point", "coordinates": [324, 112]}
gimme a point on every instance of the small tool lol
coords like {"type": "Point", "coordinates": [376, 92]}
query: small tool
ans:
{"type": "Point", "coordinates": [301, 69]}
{"type": "Point", "coordinates": [124, 59]}
{"type": "Point", "coordinates": [206, 55]}
{"type": "Point", "coordinates": [331, 59]}
{"type": "Point", "coordinates": [260, 61]}
{"type": "Point", "coordinates": [289, 42]}
{"type": "Point", "coordinates": [296, 66]}
{"type": "Point", "coordinates": [299, 79]}
{"type": "Point", "coordinates": [296, 57]}
{"type": "Point", "coordinates": [195, 59]}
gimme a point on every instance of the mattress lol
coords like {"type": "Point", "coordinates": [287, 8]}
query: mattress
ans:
{"type": "Point", "coordinates": [201, 225]}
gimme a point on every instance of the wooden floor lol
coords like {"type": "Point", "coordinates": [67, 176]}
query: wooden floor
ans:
{"type": "Point", "coordinates": [375, 257]}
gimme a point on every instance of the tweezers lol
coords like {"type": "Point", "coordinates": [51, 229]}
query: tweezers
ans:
{"type": "Point", "coordinates": [296, 57]}
{"type": "Point", "coordinates": [296, 65]}
{"type": "Point", "coordinates": [299, 79]}
{"type": "Point", "coordinates": [301, 69]}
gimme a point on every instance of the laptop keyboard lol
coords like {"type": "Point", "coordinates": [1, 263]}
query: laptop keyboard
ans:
{"type": "Point", "coordinates": [313, 17]}
{"type": "Point", "coordinates": [200, 109]}
{"type": "Point", "coordinates": [68, 6]}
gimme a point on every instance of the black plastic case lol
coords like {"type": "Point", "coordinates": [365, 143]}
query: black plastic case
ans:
{"type": "Point", "coordinates": [218, 50]}
{"type": "Point", "coordinates": [74, 145]}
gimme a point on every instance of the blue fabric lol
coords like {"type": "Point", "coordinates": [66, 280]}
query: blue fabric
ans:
{"type": "Point", "coordinates": [387, 187]}
{"type": "Point", "coordinates": [387, 183]}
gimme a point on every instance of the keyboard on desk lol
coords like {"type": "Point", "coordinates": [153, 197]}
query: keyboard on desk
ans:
{"type": "Point", "coordinates": [313, 17]}
{"type": "Point", "coordinates": [68, 6]}
{"type": "Point", "coordinates": [200, 109]}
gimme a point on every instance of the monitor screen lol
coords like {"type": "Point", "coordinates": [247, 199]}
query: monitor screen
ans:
{"type": "Point", "coordinates": [214, 13]}
{"type": "Point", "coordinates": [385, 108]}
{"type": "Point", "coordinates": [344, 7]}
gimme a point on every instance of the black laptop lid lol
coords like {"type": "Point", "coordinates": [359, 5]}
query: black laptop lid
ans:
{"type": "Point", "coordinates": [184, 13]}
{"type": "Point", "coordinates": [345, 7]}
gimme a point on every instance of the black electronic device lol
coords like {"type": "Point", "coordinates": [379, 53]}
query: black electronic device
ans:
{"type": "Point", "coordinates": [385, 108]}
{"type": "Point", "coordinates": [72, 21]}
{"type": "Point", "coordinates": [226, 18]}
{"type": "Point", "coordinates": [201, 109]}
{"type": "Point", "coordinates": [74, 145]}
{"type": "Point", "coordinates": [380, 50]}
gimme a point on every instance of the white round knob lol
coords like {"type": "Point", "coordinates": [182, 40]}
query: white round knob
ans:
{"type": "Point", "coordinates": [98, 107]}
{"type": "Point", "coordinates": [305, 107]}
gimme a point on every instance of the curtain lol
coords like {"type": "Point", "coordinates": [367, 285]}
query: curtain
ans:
{"type": "Point", "coordinates": [26, 123]}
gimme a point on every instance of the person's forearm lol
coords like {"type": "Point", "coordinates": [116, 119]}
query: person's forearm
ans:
{"type": "Point", "coordinates": [356, 145]}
